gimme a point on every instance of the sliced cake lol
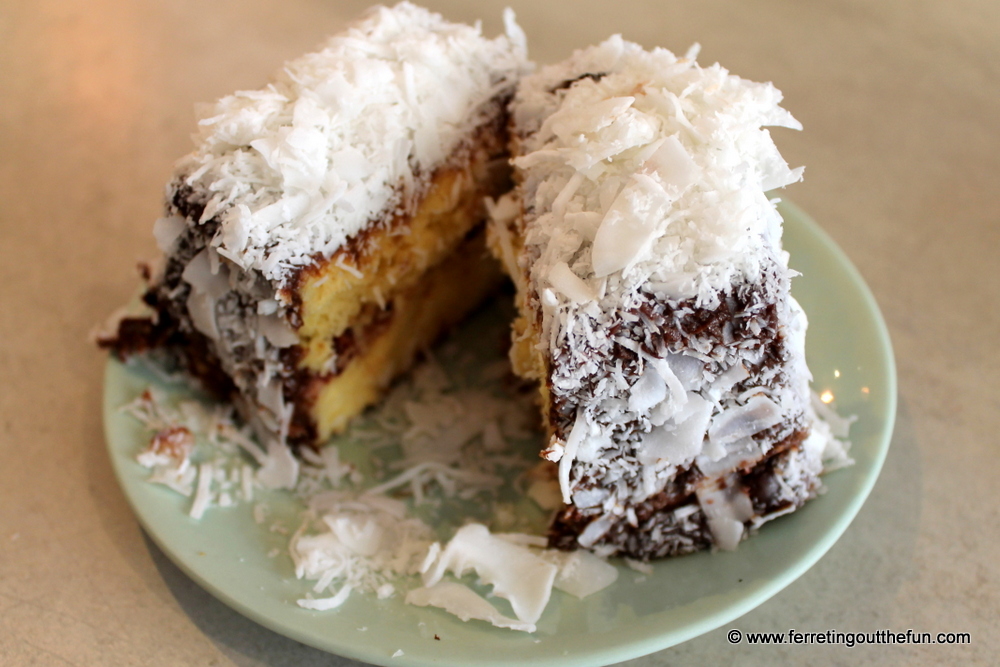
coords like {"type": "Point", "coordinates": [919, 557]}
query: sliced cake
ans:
{"type": "Point", "coordinates": [328, 226]}
{"type": "Point", "coordinates": [654, 304]}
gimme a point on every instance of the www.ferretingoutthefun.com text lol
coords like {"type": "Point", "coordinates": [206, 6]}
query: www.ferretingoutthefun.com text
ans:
{"type": "Point", "coordinates": [849, 639]}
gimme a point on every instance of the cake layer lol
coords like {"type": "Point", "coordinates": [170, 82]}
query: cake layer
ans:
{"type": "Point", "coordinates": [298, 233]}
{"type": "Point", "coordinates": [417, 316]}
{"type": "Point", "coordinates": [654, 299]}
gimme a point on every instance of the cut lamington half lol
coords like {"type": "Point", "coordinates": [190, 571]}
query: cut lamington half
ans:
{"type": "Point", "coordinates": [328, 226]}
{"type": "Point", "coordinates": [654, 301]}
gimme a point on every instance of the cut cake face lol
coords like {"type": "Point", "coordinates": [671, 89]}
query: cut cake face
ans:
{"type": "Point", "coordinates": [328, 226]}
{"type": "Point", "coordinates": [654, 300]}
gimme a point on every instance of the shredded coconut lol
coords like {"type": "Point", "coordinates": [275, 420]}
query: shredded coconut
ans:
{"type": "Point", "coordinates": [670, 161]}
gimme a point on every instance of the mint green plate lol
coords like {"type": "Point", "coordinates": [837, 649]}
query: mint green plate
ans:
{"type": "Point", "coordinates": [226, 552]}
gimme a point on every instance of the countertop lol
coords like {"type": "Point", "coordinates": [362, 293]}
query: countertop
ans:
{"type": "Point", "coordinates": [900, 101]}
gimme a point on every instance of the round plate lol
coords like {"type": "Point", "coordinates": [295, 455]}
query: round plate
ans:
{"type": "Point", "coordinates": [233, 558]}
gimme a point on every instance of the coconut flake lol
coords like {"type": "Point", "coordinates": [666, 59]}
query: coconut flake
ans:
{"type": "Point", "coordinates": [280, 469]}
{"type": "Point", "coordinates": [673, 164]}
{"type": "Point", "coordinates": [680, 439]}
{"type": "Point", "coordinates": [167, 230]}
{"type": "Point", "coordinates": [649, 390]}
{"type": "Point", "coordinates": [595, 530]}
{"type": "Point", "coordinates": [735, 423]}
{"type": "Point", "coordinates": [362, 536]}
{"type": "Point", "coordinates": [200, 275]}
{"type": "Point", "coordinates": [576, 436]}
{"type": "Point", "coordinates": [462, 601]}
{"type": "Point", "coordinates": [726, 508]}
{"type": "Point", "coordinates": [325, 604]}
{"type": "Point", "coordinates": [201, 310]}
{"type": "Point", "coordinates": [562, 278]}
{"type": "Point", "coordinates": [277, 330]}
{"type": "Point", "coordinates": [581, 573]}
{"type": "Point", "coordinates": [639, 566]}
{"type": "Point", "coordinates": [203, 493]}
{"type": "Point", "coordinates": [628, 227]}
{"type": "Point", "coordinates": [515, 573]}
{"type": "Point", "coordinates": [718, 460]}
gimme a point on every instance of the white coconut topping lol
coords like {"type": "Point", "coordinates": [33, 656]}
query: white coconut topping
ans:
{"type": "Point", "coordinates": [342, 134]}
{"type": "Point", "coordinates": [668, 158]}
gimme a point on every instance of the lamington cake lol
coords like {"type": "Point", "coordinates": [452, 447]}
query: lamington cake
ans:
{"type": "Point", "coordinates": [654, 303]}
{"type": "Point", "coordinates": [329, 225]}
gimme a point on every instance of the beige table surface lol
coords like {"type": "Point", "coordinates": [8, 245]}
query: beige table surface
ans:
{"type": "Point", "coordinates": [901, 105]}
